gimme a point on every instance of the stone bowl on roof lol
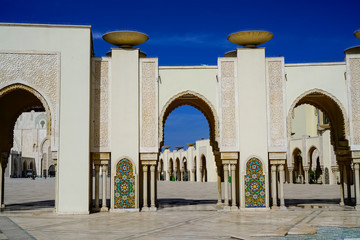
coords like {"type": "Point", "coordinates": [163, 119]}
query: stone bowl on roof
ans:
{"type": "Point", "coordinates": [357, 34]}
{"type": "Point", "coordinates": [190, 144]}
{"type": "Point", "coordinates": [250, 39]}
{"type": "Point", "coordinates": [125, 39]}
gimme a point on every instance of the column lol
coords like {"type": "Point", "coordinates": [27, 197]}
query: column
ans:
{"type": "Point", "coordinates": [104, 207]}
{"type": "Point", "coordinates": [97, 171]}
{"type": "Point", "coordinates": [1, 183]}
{"type": "Point", "coordinates": [323, 175]}
{"type": "Point", "coordinates": [334, 170]}
{"type": "Point", "coordinates": [357, 185]}
{"type": "Point", "coordinates": [176, 174]}
{"type": "Point", "coordinates": [291, 177]}
{"type": "Point", "coordinates": [219, 185]}
{"type": "Point", "coordinates": [348, 181]}
{"type": "Point", "coordinates": [341, 169]}
{"type": "Point", "coordinates": [4, 165]}
{"type": "Point", "coordinates": [226, 180]}
{"type": "Point", "coordinates": [168, 174]}
{"type": "Point", "coordinates": [192, 176]}
{"type": "Point", "coordinates": [152, 189]}
{"type": "Point", "coordinates": [181, 174]}
{"type": "Point", "coordinates": [306, 170]}
{"type": "Point", "coordinates": [233, 189]}
{"type": "Point", "coordinates": [54, 157]}
{"type": "Point", "coordinates": [273, 186]}
{"type": "Point", "coordinates": [145, 186]}
{"type": "Point", "coordinates": [281, 186]}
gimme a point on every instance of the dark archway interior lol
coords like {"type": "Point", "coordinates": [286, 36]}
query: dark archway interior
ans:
{"type": "Point", "coordinates": [12, 104]}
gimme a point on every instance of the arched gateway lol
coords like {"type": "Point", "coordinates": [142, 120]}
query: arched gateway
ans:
{"type": "Point", "coordinates": [115, 107]}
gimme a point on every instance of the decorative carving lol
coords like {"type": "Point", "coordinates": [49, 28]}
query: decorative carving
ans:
{"type": "Point", "coordinates": [277, 105]}
{"type": "Point", "coordinates": [101, 104]}
{"type": "Point", "coordinates": [148, 105]}
{"type": "Point", "coordinates": [38, 71]}
{"type": "Point", "coordinates": [354, 64]}
{"type": "Point", "coordinates": [228, 120]}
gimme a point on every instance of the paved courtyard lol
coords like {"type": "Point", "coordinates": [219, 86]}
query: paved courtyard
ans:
{"type": "Point", "coordinates": [187, 211]}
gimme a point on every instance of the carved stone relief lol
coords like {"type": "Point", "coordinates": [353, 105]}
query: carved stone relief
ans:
{"type": "Point", "coordinates": [276, 101]}
{"type": "Point", "coordinates": [101, 105]}
{"type": "Point", "coordinates": [227, 104]}
{"type": "Point", "coordinates": [39, 71]}
{"type": "Point", "coordinates": [148, 101]}
{"type": "Point", "coordinates": [354, 64]}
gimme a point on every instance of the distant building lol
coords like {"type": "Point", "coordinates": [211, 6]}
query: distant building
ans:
{"type": "Point", "coordinates": [30, 154]}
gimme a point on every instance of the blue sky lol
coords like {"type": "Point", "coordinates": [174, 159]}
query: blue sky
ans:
{"type": "Point", "coordinates": [194, 32]}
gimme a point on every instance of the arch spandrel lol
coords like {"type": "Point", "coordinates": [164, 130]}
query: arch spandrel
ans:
{"type": "Point", "coordinates": [329, 77]}
{"type": "Point", "coordinates": [39, 72]}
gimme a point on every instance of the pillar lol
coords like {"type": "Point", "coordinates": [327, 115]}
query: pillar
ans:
{"type": "Point", "coordinates": [341, 168]}
{"type": "Point", "coordinates": [192, 175]}
{"type": "Point", "coordinates": [323, 175]}
{"type": "Point", "coordinates": [152, 188]}
{"type": "Point", "coordinates": [104, 207]}
{"type": "Point", "coordinates": [291, 177]}
{"type": "Point", "coordinates": [281, 186]}
{"type": "Point", "coordinates": [97, 171]}
{"type": "Point", "coordinates": [181, 174]}
{"type": "Point", "coordinates": [168, 174]}
{"type": "Point", "coordinates": [273, 186]}
{"type": "Point", "coordinates": [357, 185]}
{"type": "Point", "coordinates": [1, 183]}
{"type": "Point", "coordinates": [54, 157]}
{"type": "Point", "coordinates": [306, 170]}
{"type": "Point", "coordinates": [145, 186]}
{"type": "Point", "coordinates": [219, 185]}
{"type": "Point", "coordinates": [233, 188]}
{"type": "Point", "coordinates": [226, 180]}
{"type": "Point", "coordinates": [176, 174]}
{"type": "Point", "coordinates": [333, 176]}
{"type": "Point", "coordinates": [348, 181]}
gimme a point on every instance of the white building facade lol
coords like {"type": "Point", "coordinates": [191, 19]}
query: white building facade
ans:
{"type": "Point", "coordinates": [111, 111]}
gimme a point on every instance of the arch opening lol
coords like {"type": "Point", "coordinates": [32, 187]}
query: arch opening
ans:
{"type": "Point", "coordinates": [197, 162]}
{"type": "Point", "coordinates": [317, 125]}
{"type": "Point", "coordinates": [25, 121]}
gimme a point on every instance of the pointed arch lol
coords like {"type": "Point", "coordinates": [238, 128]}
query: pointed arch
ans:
{"type": "Point", "coordinates": [333, 109]}
{"type": "Point", "coordinates": [197, 101]}
{"type": "Point", "coordinates": [14, 100]}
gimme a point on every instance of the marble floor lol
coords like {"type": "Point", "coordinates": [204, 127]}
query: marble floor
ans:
{"type": "Point", "coordinates": [186, 211]}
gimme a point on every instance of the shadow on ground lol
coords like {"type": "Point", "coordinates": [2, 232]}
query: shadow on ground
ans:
{"type": "Point", "coordinates": [178, 202]}
{"type": "Point", "coordinates": [29, 206]}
